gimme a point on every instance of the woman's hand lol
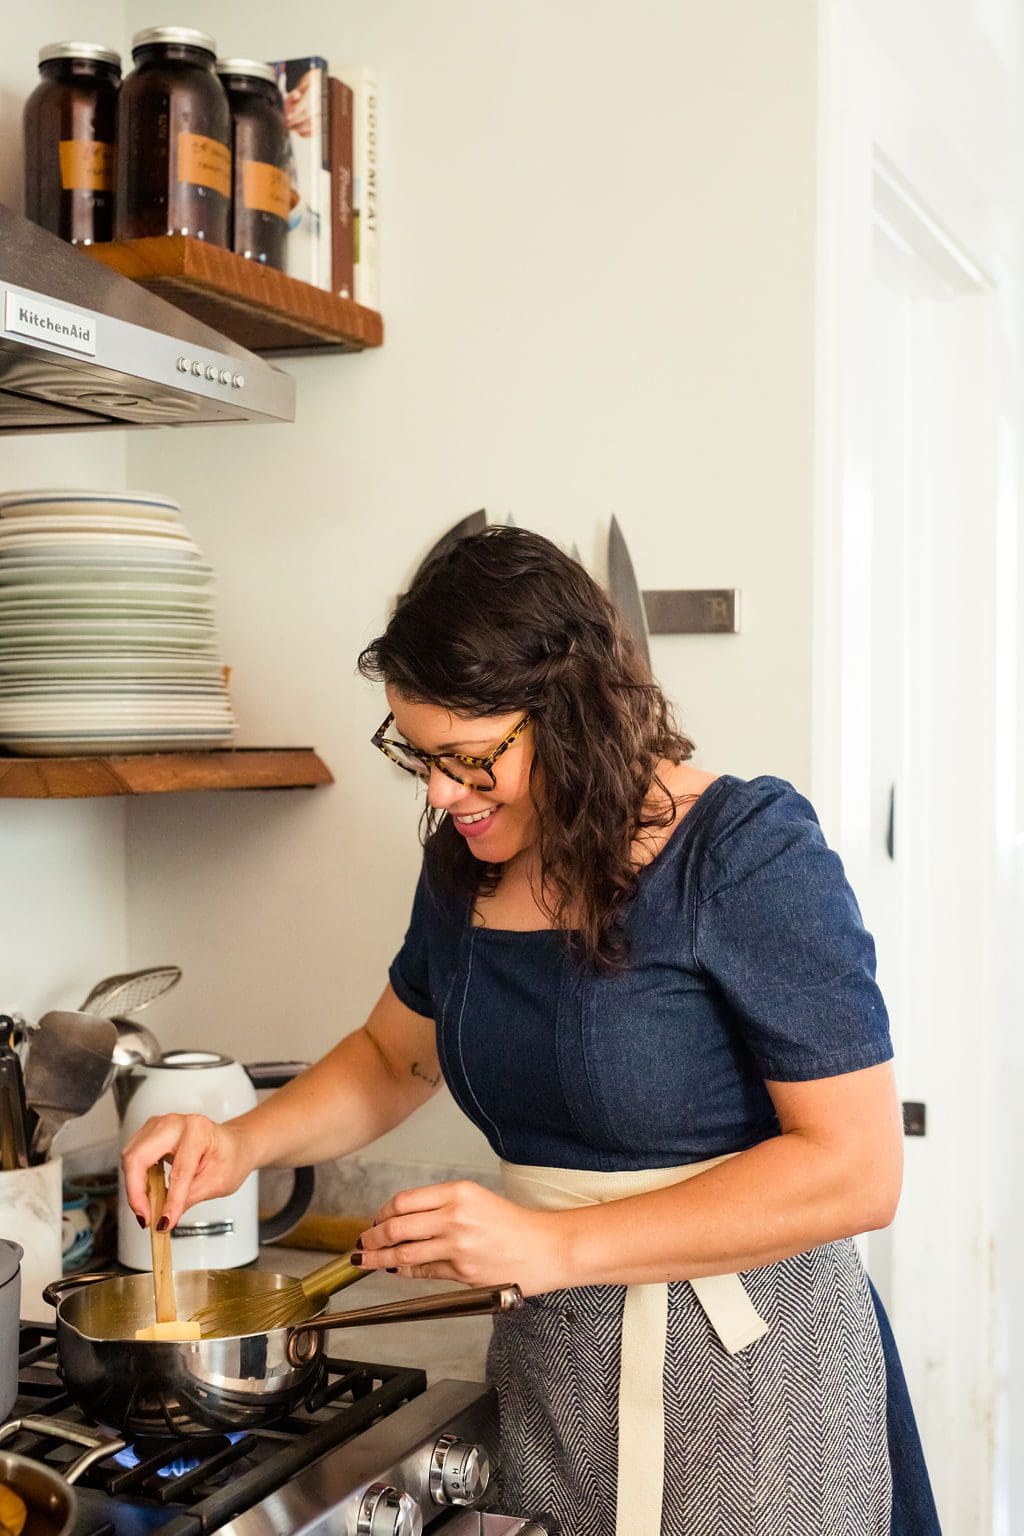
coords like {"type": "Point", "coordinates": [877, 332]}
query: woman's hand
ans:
{"type": "Point", "coordinates": [298, 106]}
{"type": "Point", "coordinates": [462, 1231]}
{"type": "Point", "coordinates": [206, 1160]}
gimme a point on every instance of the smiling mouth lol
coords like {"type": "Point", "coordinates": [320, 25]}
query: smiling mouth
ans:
{"type": "Point", "coordinates": [477, 816]}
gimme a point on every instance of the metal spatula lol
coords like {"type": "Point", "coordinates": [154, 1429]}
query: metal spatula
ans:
{"type": "Point", "coordinates": [68, 1068]}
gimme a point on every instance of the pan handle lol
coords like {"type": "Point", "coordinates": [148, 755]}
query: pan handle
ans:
{"type": "Point", "coordinates": [53, 1294]}
{"type": "Point", "coordinates": [472, 1302]}
{"type": "Point", "coordinates": [98, 1446]}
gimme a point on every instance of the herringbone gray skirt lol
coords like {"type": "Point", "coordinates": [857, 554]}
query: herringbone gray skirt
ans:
{"type": "Point", "coordinates": [786, 1438]}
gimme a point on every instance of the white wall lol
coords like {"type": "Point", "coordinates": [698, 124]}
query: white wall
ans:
{"type": "Point", "coordinates": [62, 907]}
{"type": "Point", "coordinates": [598, 228]}
{"type": "Point", "coordinates": [963, 59]}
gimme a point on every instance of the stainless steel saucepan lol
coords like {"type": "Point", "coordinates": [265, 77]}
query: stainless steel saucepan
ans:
{"type": "Point", "coordinates": [164, 1387]}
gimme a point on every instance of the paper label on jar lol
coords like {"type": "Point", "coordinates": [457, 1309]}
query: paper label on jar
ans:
{"type": "Point", "coordinates": [86, 166]}
{"type": "Point", "coordinates": [204, 162]}
{"type": "Point", "coordinates": [266, 188]}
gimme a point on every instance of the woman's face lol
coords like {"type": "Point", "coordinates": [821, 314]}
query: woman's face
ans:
{"type": "Point", "coordinates": [496, 823]}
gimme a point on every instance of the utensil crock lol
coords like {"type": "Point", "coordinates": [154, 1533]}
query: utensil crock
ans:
{"type": "Point", "coordinates": [31, 1215]}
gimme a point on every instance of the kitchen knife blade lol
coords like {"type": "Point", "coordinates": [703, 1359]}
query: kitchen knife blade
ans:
{"type": "Point", "coordinates": [475, 522]}
{"type": "Point", "coordinates": [624, 591]}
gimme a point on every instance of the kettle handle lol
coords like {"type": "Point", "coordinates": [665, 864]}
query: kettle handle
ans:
{"type": "Point", "coordinates": [274, 1074]}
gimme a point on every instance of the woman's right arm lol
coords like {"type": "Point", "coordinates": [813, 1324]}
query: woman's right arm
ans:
{"type": "Point", "coordinates": [369, 1082]}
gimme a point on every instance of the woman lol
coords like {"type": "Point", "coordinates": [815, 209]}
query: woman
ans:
{"type": "Point", "coordinates": [650, 986]}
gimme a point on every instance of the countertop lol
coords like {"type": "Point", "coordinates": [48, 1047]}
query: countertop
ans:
{"type": "Point", "coordinates": [448, 1347]}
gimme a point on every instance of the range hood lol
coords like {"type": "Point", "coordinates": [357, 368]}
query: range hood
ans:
{"type": "Point", "coordinates": [81, 346]}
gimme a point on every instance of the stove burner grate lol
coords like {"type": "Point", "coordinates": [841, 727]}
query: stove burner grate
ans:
{"type": "Point", "coordinates": [171, 1470]}
{"type": "Point", "coordinates": [196, 1483]}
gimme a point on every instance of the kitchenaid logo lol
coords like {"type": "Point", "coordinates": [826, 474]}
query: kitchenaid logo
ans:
{"type": "Point", "coordinates": [29, 316]}
{"type": "Point", "coordinates": [38, 322]}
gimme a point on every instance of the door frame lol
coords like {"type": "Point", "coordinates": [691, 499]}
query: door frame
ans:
{"type": "Point", "coordinates": [873, 131]}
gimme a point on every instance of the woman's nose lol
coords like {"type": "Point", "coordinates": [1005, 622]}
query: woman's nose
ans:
{"type": "Point", "coordinates": [442, 791]}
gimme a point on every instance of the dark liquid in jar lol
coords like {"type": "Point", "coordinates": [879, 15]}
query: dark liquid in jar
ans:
{"type": "Point", "coordinates": [70, 137]}
{"type": "Point", "coordinates": [262, 184]}
{"type": "Point", "coordinates": [175, 147]}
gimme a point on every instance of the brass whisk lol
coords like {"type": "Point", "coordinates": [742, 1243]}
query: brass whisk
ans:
{"type": "Point", "coordinates": [276, 1309]}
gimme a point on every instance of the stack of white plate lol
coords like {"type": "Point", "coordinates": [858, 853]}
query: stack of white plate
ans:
{"type": "Point", "coordinates": [107, 634]}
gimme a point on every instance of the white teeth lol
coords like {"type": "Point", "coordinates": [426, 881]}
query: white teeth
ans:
{"type": "Point", "coordinates": [479, 816]}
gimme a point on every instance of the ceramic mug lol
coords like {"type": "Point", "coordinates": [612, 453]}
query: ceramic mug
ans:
{"type": "Point", "coordinates": [80, 1221]}
{"type": "Point", "coordinates": [100, 1193]}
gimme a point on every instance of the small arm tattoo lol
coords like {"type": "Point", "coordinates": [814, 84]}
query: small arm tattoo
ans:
{"type": "Point", "coordinates": [426, 1077]}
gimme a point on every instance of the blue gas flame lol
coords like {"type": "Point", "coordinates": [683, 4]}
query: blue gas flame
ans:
{"type": "Point", "coordinates": [176, 1467]}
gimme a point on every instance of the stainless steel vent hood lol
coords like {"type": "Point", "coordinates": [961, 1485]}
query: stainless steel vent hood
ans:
{"type": "Point", "coordinates": [81, 346]}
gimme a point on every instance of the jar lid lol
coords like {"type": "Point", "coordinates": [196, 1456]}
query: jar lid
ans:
{"type": "Point", "coordinates": [11, 1255]}
{"type": "Point", "coordinates": [94, 51]}
{"type": "Point", "coordinates": [185, 37]}
{"type": "Point", "coordinates": [249, 67]}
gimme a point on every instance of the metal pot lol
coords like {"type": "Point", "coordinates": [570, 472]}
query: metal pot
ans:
{"type": "Point", "coordinates": [163, 1387]}
{"type": "Point", "coordinates": [11, 1255]}
{"type": "Point", "coordinates": [48, 1495]}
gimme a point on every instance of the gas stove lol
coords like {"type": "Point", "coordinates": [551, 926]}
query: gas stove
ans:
{"type": "Point", "coordinates": [373, 1451]}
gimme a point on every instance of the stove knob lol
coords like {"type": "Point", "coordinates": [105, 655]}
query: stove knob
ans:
{"type": "Point", "coordinates": [385, 1511]}
{"type": "Point", "coordinates": [459, 1472]}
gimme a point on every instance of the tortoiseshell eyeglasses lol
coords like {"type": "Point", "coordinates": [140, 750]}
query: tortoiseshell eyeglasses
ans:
{"type": "Point", "coordinates": [473, 772]}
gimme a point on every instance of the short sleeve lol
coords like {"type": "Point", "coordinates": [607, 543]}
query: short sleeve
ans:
{"type": "Point", "coordinates": [409, 973]}
{"type": "Point", "coordinates": [779, 932]}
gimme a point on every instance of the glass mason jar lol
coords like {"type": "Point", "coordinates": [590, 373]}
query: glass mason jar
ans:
{"type": "Point", "coordinates": [174, 137]}
{"type": "Point", "coordinates": [70, 124]}
{"type": "Point", "coordinates": [262, 186]}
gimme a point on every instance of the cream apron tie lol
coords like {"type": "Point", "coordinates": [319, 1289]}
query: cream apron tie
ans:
{"type": "Point", "coordinates": [728, 1308]}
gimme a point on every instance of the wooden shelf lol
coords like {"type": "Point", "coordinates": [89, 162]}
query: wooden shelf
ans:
{"type": "Point", "coordinates": [159, 773]}
{"type": "Point", "coordinates": [257, 306]}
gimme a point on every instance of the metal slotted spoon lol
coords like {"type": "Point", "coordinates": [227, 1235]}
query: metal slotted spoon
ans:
{"type": "Point", "coordinates": [130, 991]}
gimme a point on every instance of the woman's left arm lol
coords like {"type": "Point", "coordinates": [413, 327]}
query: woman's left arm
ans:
{"type": "Point", "coordinates": [833, 1172]}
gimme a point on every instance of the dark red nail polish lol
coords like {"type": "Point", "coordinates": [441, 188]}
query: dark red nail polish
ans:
{"type": "Point", "coordinates": [355, 1258]}
{"type": "Point", "coordinates": [141, 1221]}
{"type": "Point", "coordinates": [359, 1242]}
{"type": "Point", "coordinates": [162, 1224]}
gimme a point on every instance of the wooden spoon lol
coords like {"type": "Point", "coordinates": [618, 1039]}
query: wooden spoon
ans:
{"type": "Point", "coordinates": [160, 1246]}
{"type": "Point", "coordinates": [167, 1325]}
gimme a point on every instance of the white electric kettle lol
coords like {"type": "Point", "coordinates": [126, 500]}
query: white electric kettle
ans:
{"type": "Point", "coordinates": [217, 1234]}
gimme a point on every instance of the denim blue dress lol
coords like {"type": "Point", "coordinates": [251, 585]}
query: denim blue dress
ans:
{"type": "Point", "coordinates": [748, 962]}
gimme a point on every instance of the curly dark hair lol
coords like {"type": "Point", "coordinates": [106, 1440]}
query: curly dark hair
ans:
{"type": "Point", "coordinates": [503, 621]}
